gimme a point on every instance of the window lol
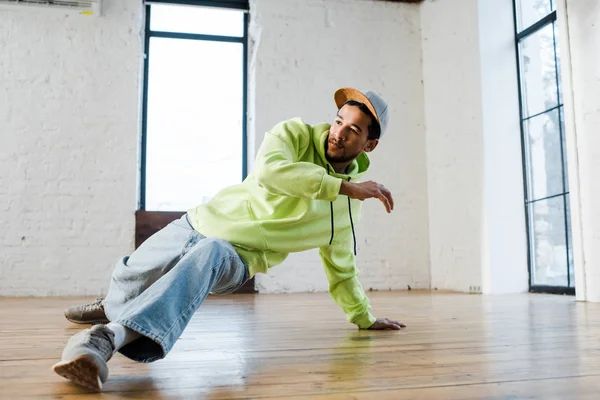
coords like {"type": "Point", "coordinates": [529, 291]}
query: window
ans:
{"type": "Point", "coordinates": [544, 147]}
{"type": "Point", "coordinates": [194, 102]}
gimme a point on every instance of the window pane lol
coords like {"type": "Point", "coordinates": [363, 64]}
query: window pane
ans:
{"type": "Point", "coordinates": [203, 20]}
{"type": "Point", "coordinates": [538, 72]}
{"type": "Point", "coordinates": [194, 125]}
{"type": "Point", "coordinates": [531, 11]}
{"type": "Point", "coordinates": [544, 162]}
{"type": "Point", "coordinates": [549, 250]}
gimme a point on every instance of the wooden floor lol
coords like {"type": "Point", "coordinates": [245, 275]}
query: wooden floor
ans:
{"type": "Point", "coordinates": [300, 347]}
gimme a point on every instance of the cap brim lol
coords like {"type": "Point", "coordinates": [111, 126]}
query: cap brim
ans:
{"type": "Point", "coordinates": [341, 96]}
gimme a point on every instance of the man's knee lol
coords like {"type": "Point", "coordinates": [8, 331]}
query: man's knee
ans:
{"type": "Point", "coordinates": [214, 249]}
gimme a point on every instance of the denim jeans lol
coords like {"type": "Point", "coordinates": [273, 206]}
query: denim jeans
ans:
{"type": "Point", "coordinates": [156, 290]}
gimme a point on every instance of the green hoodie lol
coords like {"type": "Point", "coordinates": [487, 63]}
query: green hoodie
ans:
{"type": "Point", "coordinates": [291, 203]}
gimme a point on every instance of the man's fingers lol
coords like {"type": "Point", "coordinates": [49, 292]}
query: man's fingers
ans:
{"type": "Point", "coordinates": [395, 324]}
{"type": "Point", "coordinates": [385, 323]}
{"type": "Point", "coordinates": [389, 201]}
{"type": "Point", "coordinates": [388, 194]}
{"type": "Point", "coordinates": [384, 200]}
{"type": "Point", "coordinates": [392, 325]}
{"type": "Point", "coordinates": [372, 189]}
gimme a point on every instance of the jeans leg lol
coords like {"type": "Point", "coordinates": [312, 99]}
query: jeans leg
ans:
{"type": "Point", "coordinates": [162, 311]}
{"type": "Point", "coordinates": [154, 258]}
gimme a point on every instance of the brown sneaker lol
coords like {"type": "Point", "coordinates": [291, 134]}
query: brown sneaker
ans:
{"type": "Point", "coordinates": [92, 313]}
{"type": "Point", "coordinates": [85, 355]}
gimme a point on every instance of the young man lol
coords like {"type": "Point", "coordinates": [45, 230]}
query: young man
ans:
{"type": "Point", "coordinates": [297, 198]}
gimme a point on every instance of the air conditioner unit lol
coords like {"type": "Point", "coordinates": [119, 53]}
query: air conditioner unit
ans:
{"type": "Point", "coordinates": [85, 7]}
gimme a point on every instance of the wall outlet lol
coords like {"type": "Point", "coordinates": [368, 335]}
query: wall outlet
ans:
{"type": "Point", "coordinates": [474, 289]}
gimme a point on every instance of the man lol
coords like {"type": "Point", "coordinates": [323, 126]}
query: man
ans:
{"type": "Point", "coordinates": [297, 198]}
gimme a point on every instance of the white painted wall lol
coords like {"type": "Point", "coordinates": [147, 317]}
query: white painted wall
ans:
{"type": "Point", "coordinates": [453, 114]}
{"type": "Point", "coordinates": [475, 184]}
{"type": "Point", "coordinates": [296, 69]}
{"type": "Point", "coordinates": [504, 267]}
{"type": "Point", "coordinates": [68, 147]}
{"type": "Point", "coordinates": [580, 39]}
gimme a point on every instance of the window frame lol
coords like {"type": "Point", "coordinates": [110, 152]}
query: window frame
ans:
{"type": "Point", "coordinates": [550, 19]}
{"type": "Point", "coordinates": [148, 34]}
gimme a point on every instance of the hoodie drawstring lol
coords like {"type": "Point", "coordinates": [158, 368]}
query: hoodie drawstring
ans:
{"type": "Point", "coordinates": [349, 213]}
{"type": "Point", "coordinates": [351, 222]}
{"type": "Point", "coordinates": [331, 210]}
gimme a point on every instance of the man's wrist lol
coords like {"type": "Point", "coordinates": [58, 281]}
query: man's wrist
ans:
{"type": "Point", "coordinates": [365, 321]}
{"type": "Point", "coordinates": [346, 188]}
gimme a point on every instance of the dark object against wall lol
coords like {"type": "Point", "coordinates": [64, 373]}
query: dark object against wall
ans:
{"type": "Point", "coordinates": [147, 223]}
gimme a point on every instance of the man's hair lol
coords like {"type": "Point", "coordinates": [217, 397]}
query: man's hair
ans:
{"type": "Point", "coordinates": [374, 128]}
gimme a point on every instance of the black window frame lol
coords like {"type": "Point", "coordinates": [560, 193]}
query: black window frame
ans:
{"type": "Point", "coordinates": [550, 19]}
{"type": "Point", "coordinates": [148, 33]}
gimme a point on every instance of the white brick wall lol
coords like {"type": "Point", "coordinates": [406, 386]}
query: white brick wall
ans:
{"type": "Point", "coordinates": [68, 150]}
{"type": "Point", "coordinates": [69, 104]}
{"type": "Point", "coordinates": [297, 67]}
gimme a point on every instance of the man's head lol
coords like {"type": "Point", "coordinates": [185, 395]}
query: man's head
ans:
{"type": "Point", "coordinates": [356, 127]}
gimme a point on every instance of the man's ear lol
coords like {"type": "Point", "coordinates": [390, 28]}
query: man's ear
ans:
{"type": "Point", "coordinates": [371, 144]}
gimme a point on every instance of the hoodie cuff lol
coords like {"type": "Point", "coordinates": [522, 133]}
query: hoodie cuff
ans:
{"type": "Point", "coordinates": [330, 188]}
{"type": "Point", "coordinates": [365, 321]}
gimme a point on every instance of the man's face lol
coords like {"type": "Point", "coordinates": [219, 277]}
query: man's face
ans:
{"type": "Point", "coordinates": [349, 135]}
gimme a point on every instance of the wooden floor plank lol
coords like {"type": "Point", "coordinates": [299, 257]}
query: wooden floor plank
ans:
{"type": "Point", "coordinates": [300, 347]}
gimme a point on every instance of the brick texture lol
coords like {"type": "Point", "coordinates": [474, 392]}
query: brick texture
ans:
{"type": "Point", "coordinates": [69, 123]}
{"type": "Point", "coordinates": [68, 151]}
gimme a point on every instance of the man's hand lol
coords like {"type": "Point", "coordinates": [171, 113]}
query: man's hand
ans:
{"type": "Point", "coordinates": [384, 323]}
{"type": "Point", "coordinates": [368, 190]}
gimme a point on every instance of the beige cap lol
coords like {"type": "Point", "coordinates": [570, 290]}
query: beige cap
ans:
{"type": "Point", "coordinates": [374, 103]}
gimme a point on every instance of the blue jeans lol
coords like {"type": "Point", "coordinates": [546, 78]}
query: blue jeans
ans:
{"type": "Point", "coordinates": [156, 290]}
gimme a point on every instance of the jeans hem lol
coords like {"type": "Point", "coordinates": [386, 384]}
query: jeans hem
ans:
{"type": "Point", "coordinates": [149, 335]}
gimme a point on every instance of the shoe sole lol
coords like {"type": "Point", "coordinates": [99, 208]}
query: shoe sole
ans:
{"type": "Point", "coordinates": [94, 322]}
{"type": "Point", "coordinates": [82, 371]}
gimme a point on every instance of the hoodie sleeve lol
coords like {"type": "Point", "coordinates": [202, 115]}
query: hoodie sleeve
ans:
{"type": "Point", "coordinates": [279, 170]}
{"type": "Point", "coordinates": [344, 287]}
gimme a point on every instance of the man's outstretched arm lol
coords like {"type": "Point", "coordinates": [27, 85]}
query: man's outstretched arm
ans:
{"type": "Point", "coordinates": [279, 170]}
